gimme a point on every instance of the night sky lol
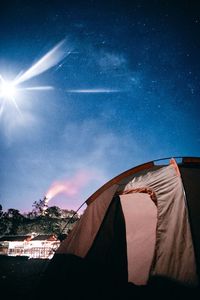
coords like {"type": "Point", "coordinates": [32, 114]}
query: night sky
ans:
{"type": "Point", "coordinates": [123, 89]}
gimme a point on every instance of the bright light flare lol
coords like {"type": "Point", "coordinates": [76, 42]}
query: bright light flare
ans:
{"type": "Point", "coordinates": [7, 90]}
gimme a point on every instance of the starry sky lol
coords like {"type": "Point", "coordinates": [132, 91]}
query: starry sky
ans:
{"type": "Point", "coordinates": [123, 89]}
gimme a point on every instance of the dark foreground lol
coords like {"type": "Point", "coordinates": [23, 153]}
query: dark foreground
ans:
{"type": "Point", "coordinates": [20, 276]}
{"type": "Point", "coordinates": [69, 277]}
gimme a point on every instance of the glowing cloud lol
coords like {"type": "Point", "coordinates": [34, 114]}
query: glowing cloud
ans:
{"type": "Point", "coordinates": [70, 187]}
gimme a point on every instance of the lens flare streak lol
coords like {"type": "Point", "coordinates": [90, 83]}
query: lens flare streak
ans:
{"type": "Point", "coordinates": [49, 60]}
{"type": "Point", "coordinates": [93, 91]}
{"type": "Point", "coordinates": [38, 88]}
{"type": "Point", "coordinates": [8, 89]}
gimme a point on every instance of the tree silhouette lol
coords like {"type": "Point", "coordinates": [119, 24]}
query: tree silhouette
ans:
{"type": "Point", "coordinates": [53, 212]}
{"type": "Point", "coordinates": [39, 207]}
{"type": "Point", "coordinates": [13, 219]}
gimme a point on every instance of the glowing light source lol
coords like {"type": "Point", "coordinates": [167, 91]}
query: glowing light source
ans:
{"type": "Point", "coordinates": [7, 89]}
{"type": "Point", "coordinates": [50, 59]}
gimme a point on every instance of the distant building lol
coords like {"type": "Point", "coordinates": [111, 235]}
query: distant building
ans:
{"type": "Point", "coordinates": [43, 246]}
{"type": "Point", "coordinates": [40, 246]}
{"type": "Point", "coordinates": [14, 245]}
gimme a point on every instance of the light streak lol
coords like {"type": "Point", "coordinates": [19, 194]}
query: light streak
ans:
{"type": "Point", "coordinates": [38, 88]}
{"type": "Point", "coordinates": [52, 58]}
{"type": "Point", "coordinates": [8, 89]}
{"type": "Point", "coordinates": [93, 91]}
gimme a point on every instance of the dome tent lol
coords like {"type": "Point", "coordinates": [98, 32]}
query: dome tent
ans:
{"type": "Point", "coordinates": [140, 226]}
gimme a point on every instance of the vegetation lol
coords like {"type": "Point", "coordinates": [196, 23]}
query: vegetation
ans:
{"type": "Point", "coordinates": [42, 220]}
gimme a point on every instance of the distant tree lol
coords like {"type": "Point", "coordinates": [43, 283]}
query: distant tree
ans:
{"type": "Point", "coordinates": [30, 215]}
{"type": "Point", "coordinates": [1, 211]}
{"type": "Point", "coordinates": [39, 207]}
{"type": "Point", "coordinates": [14, 218]}
{"type": "Point", "coordinates": [69, 213]}
{"type": "Point", "coordinates": [13, 213]}
{"type": "Point", "coordinates": [3, 222]}
{"type": "Point", "coordinates": [42, 219]}
{"type": "Point", "coordinates": [53, 212]}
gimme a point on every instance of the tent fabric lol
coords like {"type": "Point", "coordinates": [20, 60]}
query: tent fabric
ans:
{"type": "Point", "coordinates": [191, 182]}
{"type": "Point", "coordinates": [119, 178]}
{"type": "Point", "coordinates": [82, 236]}
{"type": "Point", "coordinates": [174, 252]}
{"type": "Point", "coordinates": [108, 221]}
{"type": "Point", "coordinates": [108, 253]}
{"type": "Point", "coordinates": [141, 190]}
{"type": "Point", "coordinates": [140, 214]}
{"type": "Point", "coordinates": [174, 255]}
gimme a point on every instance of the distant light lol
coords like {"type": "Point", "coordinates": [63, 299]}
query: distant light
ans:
{"type": "Point", "coordinates": [7, 90]}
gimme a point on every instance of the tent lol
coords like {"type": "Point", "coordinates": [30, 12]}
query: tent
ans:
{"type": "Point", "coordinates": [140, 229]}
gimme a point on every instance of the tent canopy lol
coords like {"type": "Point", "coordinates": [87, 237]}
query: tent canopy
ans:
{"type": "Point", "coordinates": [143, 223]}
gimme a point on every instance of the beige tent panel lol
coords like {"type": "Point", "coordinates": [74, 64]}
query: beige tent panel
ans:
{"type": "Point", "coordinates": [174, 254]}
{"type": "Point", "coordinates": [140, 215]}
{"type": "Point", "coordinates": [83, 234]}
